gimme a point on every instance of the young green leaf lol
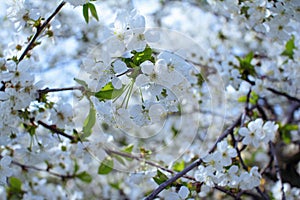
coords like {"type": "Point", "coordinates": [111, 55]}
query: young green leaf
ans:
{"type": "Point", "coordinates": [128, 149]}
{"type": "Point", "coordinates": [289, 48]}
{"type": "Point", "coordinates": [140, 57]}
{"type": "Point", "coordinates": [286, 132]}
{"type": "Point", "coordinates": [14, 189]}
{"type": "Point", "coordinates": [116, 185]}
{"type": "Point", "coordinates": [253, 98]}
{"type": "Point", "coordinates": [119, 159]}
{"type": "Point", "coordinates": [89, 123]}
{"type": "Point", "coordinates": [245, 67]}
{"type": "Point", "coordinates": [106, 166]}
{"type": "Point", "coordinates": [85, 10]}
{"type": "Point", "coordinates": [160, 177]}
{"type": "Point", "coordinates": [15, 184]}
{"type": "Point", "coordinates": [109, 92]}
{"type": "Point", "coordinates": [178, 166]}
{"type": "Point", "coordinates": [85, 177]}
{"type": "Point", "coordinates": [76, 167]}
{"type": "Point", "coordinates": [93, 11]}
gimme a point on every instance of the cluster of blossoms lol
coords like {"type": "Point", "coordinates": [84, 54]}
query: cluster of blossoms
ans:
{"type": "Point", "coordinates": [257, 132]}
{"type": "Point", "coordinates": [150, 102]}
{"type": "Point", "coordinates": [218, 170]}
{"type": "Point", "coordinates": [274, 18]}
{"type": "Point", "coordinates": [18, 90]}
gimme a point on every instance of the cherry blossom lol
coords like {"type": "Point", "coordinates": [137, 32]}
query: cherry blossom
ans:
{"type": "Point", "coordinates": [134, 99]}
{"type": "Point", "coordinates": [253, 133]}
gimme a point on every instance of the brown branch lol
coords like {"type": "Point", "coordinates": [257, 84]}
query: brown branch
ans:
{"type": "Point", "coordinates": [47, 90]}
{"type": "Point", "coordinates": [228, 131]}
{"type": "Point", "coordinates": [39, 31]}
{"type": "Point", "coordinates": [140, 158]}
{"type": "Point", "coordinates": [59, 132]}
{"type": "Point", "coordinates": [127, 71]}
{"type": "Point", "coordinates": [27, 167]}
{"type": "Point", "coordinates": [227, 192]}
{"type": "Point", "coordinates": [289, 97]}
{"type": "Point", "coordinates": [180, 174]}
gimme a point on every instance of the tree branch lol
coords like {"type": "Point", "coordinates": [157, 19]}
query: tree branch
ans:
{"type": "Point", "coordinates": [289, 97]}
{"type": "Point", "coordinates": [39, 31]}
{"type": "Point", "coordinates": [27, 167]}
{"type": "Point", "coordinates": [47, 90]}
{"type": "Point", "coordinates": [59, 132]}
{"type": "Point", "coordinates": [180, 174]}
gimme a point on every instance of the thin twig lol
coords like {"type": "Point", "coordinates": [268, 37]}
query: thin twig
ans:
{"type": "Point", "coordinates": [47, 90]}
{"type": "Point", "coordinates": [289, 97]}
{"type": "Point", "coordinates": [127, 71]}
{"type": "Point", "coordinates": [227, 192]}
{"type": "Point", "coordinates": [173, 179]}
{"type": "Point", "coordinates": [180, 174]}
{"type": "Point", "coordinates": [59, 132]}
{"type": "Point", "coordinates": [27, 167]}
{"type": "Point", "coordinates": [39, 31]}
{"type": "Point", "coordinates": [227, 132]}
{"type": "Point", "coordinates": [140, 158]}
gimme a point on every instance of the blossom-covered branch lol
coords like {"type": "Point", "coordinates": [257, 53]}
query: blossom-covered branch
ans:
{"type": "Point", "coordinates": [40, 30]}
{"type": "Point", "coordinates": [194, 164]}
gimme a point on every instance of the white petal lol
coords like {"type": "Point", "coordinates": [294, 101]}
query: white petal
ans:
{"type": "Point", "coordinates": [119, 67]}
{"type": "Point", "coordinates": [117, 83]}
{"type": "Point", "coordinates": [147, 67]}
{"type": "Point", "coordinates": [141, 80]}
{"type": "Point", "coordinates": [183, 192]}
{"type": "Point", "coordinates": [244, 131]}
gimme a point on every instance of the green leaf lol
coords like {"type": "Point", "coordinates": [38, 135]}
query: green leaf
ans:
{"type": "Point", "coordinates": [85, 177]}
{"type": "Point", "coordinates": [160, 177]}
{"type": "Point", "coordinates": [286, 137]}
{"type": "Point", "coordinates": [253, 98]}
{"type": "Point", "coordinates": [89, 123]}
{"type": "Point", "coordinates": [178, 166]}
{"type": "Point", "coordinates": [109, 92]}
{"type": "Point", "coordinates": [242, 99]}
{"type": "Point", "coordinates": [81, 82]}
{"type": "Point", "coordinates": [76, 167]}
{"type": "Point", "coordinates": [119, 159]}
{"type": "Point", "coordinates": [128, 149]}
{"type": "Point", "coordinates": [244, 11]}
{"type": "Point", "coordinates": [15, 184]}
{"type": "Point", "coordinates": [286, 132]}
{"type": "Point", "coordinates": [93, 11]}
{"type": "Point", "coordinates": [175, 131]}
{"type": "Point", "coordinates": [289, 48]}
{"type": "Point", "coordinates": [14, 189]}
{"type": "Point", "coordinates": [115, 185]}
{"type": "Point", "coordinates": [85, 10]}
{"type": "Point", "coordinates": [245, 67]}
{"type": "Point", "coordinates": [106, 166]}
{"type": "Point", "coordinates": [140, 57]}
